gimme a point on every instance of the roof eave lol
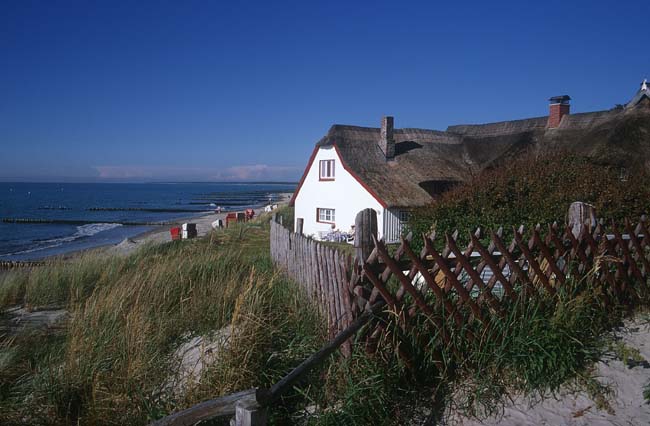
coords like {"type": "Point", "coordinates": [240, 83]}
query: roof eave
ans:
{"type": "Point", "coordinates": [637, 98]}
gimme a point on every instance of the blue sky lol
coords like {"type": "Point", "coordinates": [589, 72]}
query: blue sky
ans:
{"type": "Point", "coordinates": [210, 90]}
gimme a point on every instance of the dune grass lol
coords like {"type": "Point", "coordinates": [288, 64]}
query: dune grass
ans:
{"type": "Point", "coordinates": [113, 363]}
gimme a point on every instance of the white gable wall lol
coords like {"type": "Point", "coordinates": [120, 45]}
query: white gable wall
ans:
{"type": "Point", "coordinates": [344, 194]}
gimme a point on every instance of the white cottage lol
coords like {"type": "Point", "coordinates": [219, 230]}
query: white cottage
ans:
{"type": "Point", "coordinates": [395, 170]}
{"type": "Point", "coordinates": [354, 168]}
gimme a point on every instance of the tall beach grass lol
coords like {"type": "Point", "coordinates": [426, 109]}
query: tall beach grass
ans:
{"type": "Point", "coordinates": [114, 362]}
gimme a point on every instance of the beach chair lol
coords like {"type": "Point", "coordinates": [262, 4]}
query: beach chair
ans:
{"type": "Point", "coordinates": [231, 217]}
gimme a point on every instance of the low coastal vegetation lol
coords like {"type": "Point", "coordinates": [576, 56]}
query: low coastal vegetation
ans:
{"type": "Point", "coordinates": [532, 189]}
{"type": "Point", "coordinates": [114, 363]}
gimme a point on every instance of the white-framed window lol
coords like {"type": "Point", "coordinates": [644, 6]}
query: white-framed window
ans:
{"type": "Point", "coordinates": [325, 215]}
{"type": "Point", "coordinates": [326, 170]}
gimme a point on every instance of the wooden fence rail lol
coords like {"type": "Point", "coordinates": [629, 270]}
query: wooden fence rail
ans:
{"type": "Point", "coordinates": [321, 271]}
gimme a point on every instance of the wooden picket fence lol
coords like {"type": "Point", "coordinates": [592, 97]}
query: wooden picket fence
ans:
{"type": "Point", "coordinates": [321, 271]}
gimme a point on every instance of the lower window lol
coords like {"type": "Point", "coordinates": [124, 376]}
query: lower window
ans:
{"type": "Point", "coordinates": [325, 215]}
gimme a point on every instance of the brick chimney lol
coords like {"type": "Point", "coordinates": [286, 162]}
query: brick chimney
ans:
{"type": "Point", "coordinates": [387, 142]}
{"type": "Point", "coordinates": [558, 108]}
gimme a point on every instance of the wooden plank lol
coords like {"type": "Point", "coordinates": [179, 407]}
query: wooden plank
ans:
{"type": "Point", "coordinates": [627, 255]}
{"type": "Point", "coordinates": [330, 290]}
{"type": "Point", "coordinates": [464, 263]}
{"type": "Point", "coordinates": [533, 263]}
{"type": "Point", "coordinates": [561, 251]}
{"type": "Point", "coordinates": [639, 250]}
{"type": "Point", "coordinates": [452, 278]}
{"type": "Point", "coordinates": [321, 284]}
{"type": "Point", "coordinates": [306, 259]}
{"type": "Point", "coordinates": [297, 260]}
{"type": "Point", "coordinates": [620, 277]}
{"type": "Point", "coordinates": [327, 291]}
{"type": "Point", "coordinates": [345, 291]}
{"type": "Point", "coordinates": [559, 275]}
{"type": "Point", "coordinates": [316, 272]}
{"type": "Point", "coordinates": [313, 272]}
{"type": "Point", "coordinates": [250, 415]}
{"type": "Point", "coordinates": [365, 228]}
{"type": "Point", "coordinates": [515, 268]}
{"type": "Point", "coordinates": [339, 290]}
{"type": "Point", "coordinates": [334, 288]}
{"type": "Point", "coordinates": [496, 269]}
{"type": "Point", "coordinates": [381, 288]}
{"type": "Point", "coordinates": [419, 300]}
{"type": "Point", "coordinates": [219, 407]}
{"type": "Point", "coordinates": [287, 382]}
{"type": "Point", "coordinates": [310, 271]}
{"type": "Point", "coordinates": [304, 262]}
{"type": "Point", "coordinates": [577, 249]}
{"type": "Point", "coordinates": [645, 242]}
{"type": "Point", "coordinates": [441, 297]}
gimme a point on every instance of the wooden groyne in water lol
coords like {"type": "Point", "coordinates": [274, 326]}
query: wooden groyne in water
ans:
{"type": "Point", "coordinates": [80, 222]}
{"type": "Point", "coordinates": [143, 209]}
{"type": "Point", "coordinates": [12, 264]}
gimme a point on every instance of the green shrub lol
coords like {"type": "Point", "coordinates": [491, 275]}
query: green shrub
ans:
{"type": "Point", "coordinates": [530, 190]}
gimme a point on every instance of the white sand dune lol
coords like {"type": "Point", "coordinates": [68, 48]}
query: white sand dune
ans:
{"type": "Point", "coordinates": [627, 405]}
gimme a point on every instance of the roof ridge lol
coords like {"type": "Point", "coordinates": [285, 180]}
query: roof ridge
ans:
{"type": "Point", "coordinates": [519, 120]}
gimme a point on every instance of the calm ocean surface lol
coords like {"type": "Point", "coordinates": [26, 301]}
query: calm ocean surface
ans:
{"type": "Point", "coordinates": [108, 207]}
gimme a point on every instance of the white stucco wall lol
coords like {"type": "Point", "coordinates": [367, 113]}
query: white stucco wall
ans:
{"type": "Point", "coordinates": [344, 194]}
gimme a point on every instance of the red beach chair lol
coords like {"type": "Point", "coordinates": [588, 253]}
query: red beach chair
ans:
{"type": "Point", "coordinates": [175, 233]}
{"type": "Point", "coordinates": [231, 217]}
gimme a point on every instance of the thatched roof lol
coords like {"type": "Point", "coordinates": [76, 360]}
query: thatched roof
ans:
{"type": "Point", "coordinates": [643, 95]}
{"type": "Point", "coordinates": [421, 156]}
{"type": "Point", "coordinates": [426, 162]}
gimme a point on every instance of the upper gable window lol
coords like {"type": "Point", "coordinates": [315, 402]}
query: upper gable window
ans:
{"type": "Point", "coordinates": [326, 170]}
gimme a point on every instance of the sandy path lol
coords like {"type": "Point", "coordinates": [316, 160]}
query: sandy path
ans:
{"type": "Point", "coordinates": [627, 405]}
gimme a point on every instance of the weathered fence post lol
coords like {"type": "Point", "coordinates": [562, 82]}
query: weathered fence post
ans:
{"type": "Point", "coordinates": [365, 227]}
{"type": "Point", "coordinates": [299, 225]}
{"type": "Point", "coordinates": [249, 415]}
{"type": "Point", "coordinates": [581, 214]}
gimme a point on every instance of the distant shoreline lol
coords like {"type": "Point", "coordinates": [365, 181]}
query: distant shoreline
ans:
{"type": "Point", "coordinates": [40, 221]}
{"type": "Point", "coordinates": [126, 182]}
{"type": "Point", "coordinates": [159, 235]}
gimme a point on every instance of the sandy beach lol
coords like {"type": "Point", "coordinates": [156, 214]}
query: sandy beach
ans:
{"type": "Point", "coordinates": [162, 235]}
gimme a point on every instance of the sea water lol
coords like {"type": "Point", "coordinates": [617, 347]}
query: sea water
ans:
{"type": "Point", "coordinates": [108, 211]}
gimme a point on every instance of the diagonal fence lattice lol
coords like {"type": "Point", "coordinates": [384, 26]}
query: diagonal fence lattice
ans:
{"type": "Point", "coordinates": [453, 287]}
{"type": "Point", "coordinates": [456, 284]}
